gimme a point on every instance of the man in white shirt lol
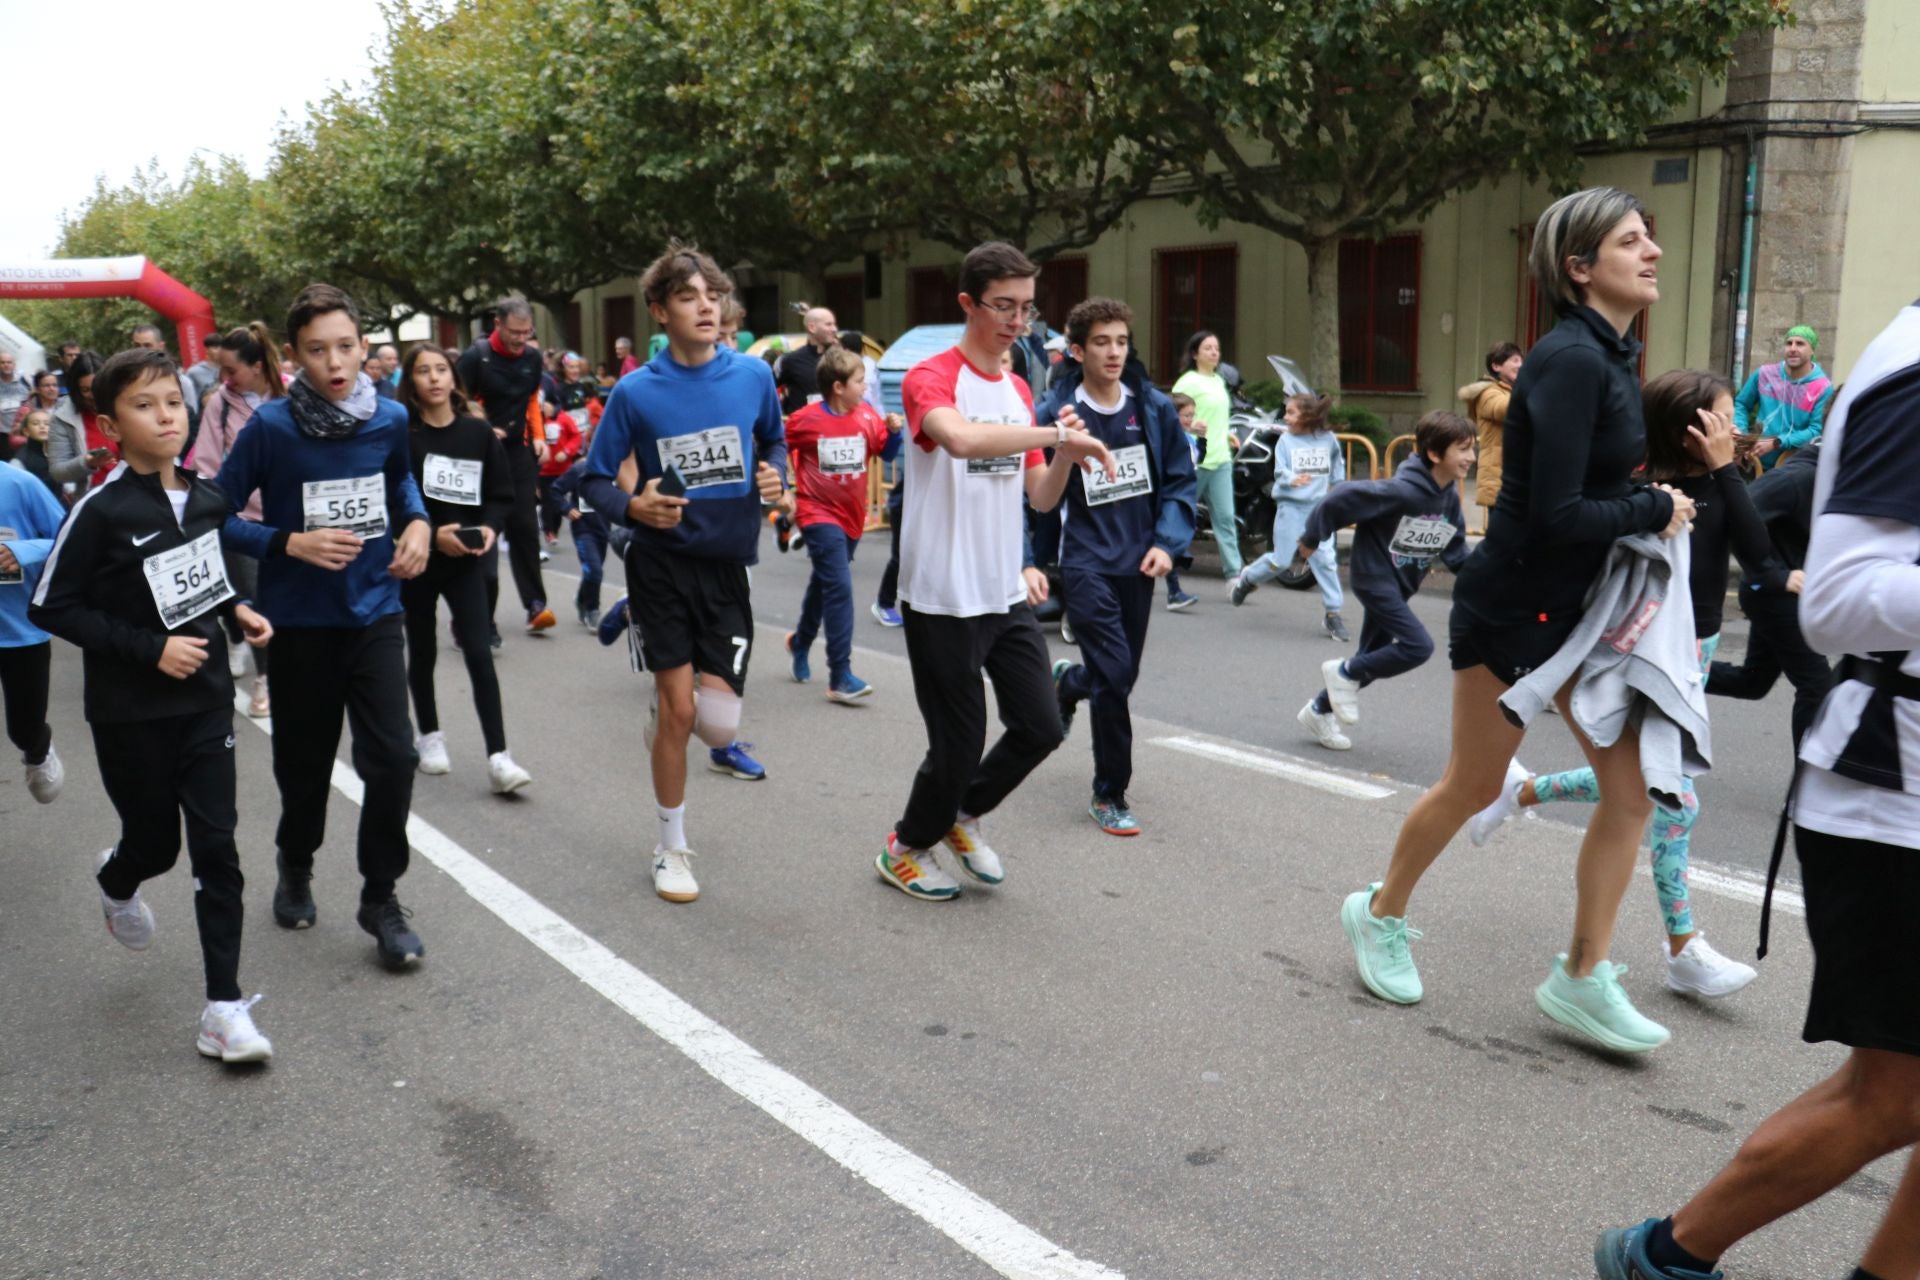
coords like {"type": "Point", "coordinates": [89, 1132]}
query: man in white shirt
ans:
{"type": "Point", "coordinates": [973, 455]}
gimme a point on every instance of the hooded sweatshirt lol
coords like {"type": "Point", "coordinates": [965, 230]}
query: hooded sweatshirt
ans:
{"type": "Point", "coordinates": [1401, 525]}
{"type": "Point", "coordinates": [1791, 410]}
{"type": "Point", "coordinates": [1486, 401]}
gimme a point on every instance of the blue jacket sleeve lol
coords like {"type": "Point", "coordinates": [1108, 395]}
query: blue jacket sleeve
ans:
{"type": "Point", "coordinates": [1174, 524]}
{"type": "Point", "coordinates": [43, 515]}
{"type": "Point", "coordinates": [240, 473]}
{"type": "Point", "coordinates": [770, 430]}
{"type": "Point", "coordinates": [1746, 402]}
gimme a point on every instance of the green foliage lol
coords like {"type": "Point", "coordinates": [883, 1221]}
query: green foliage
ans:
{"type": "Point", "coordinates": [1266, 393]}
{"type": "Point", "coordinates": [1353, 420]}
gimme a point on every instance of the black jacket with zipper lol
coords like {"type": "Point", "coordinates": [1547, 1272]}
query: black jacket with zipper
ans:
{"type": "Point", "coordinates": [93, 593]}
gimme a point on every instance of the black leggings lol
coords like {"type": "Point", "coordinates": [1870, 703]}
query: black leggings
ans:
{"type": "Point", "coordinates": [23, 682]}
{"type": "Point", "coordinates": [464, 584]}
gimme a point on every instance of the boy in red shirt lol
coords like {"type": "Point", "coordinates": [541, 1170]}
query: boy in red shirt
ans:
{"type": "Point", "coordinates": [564, 448]}
{"type": "Point", "coordinates": [828, 445]}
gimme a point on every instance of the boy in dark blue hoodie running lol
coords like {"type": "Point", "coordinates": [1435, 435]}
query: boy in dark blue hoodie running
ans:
{"type": "Point", "coordinates": [1119, 536]}
{"type": "Point", "coordinates": [1400, 527]}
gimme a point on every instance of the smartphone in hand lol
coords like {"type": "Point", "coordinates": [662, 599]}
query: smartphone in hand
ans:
{"type": "Point", "coordinates": [672, 483]}
{"type": "Point", "coordinates": [471, 536]}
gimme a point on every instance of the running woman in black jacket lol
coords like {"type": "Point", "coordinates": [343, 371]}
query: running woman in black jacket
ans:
{"type": "Point", "coordinates": [1568, 495]}
{"type": "Point", "coordinates": [136, 579]}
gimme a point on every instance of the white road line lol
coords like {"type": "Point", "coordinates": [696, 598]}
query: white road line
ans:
{"type": "Point", "coordinates": [1276, 765]}
{"type": "Point", "coordinates": [975, 1224]}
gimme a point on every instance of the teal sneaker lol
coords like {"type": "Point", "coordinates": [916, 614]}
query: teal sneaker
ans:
{"type": "Point", "coordinates": [1114, 817]}
{"type": "Point", "coordinates": [1597, 1007]}
{"type": "Point", "coordinates": [1621, 1254]}
{"type": "Point", "coordinates": [1380, 948]}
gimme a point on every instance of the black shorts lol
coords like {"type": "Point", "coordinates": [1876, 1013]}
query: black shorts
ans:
{"type": "Point", "coordinates": [688, 610]}
{"type": "Point", "coordinates": [1862, 898]}
{"type": "Point", "coordinates": [1509, 651]}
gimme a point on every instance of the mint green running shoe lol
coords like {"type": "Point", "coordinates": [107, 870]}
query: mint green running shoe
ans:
{"type": "Point", "coordinates": [1380, 948]}
{"type": "Point", "coordinates": [1597, 1007]}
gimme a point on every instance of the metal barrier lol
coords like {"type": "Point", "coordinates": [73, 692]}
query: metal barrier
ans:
{"type": "Point", "coordinates": [1373, 455]}
{"type": "Point", "coordinates": [877, 491]}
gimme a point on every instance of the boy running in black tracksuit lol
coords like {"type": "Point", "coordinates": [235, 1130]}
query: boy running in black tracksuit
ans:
{"type": "Point", "coordinates": [1118, 537]}
{"type": "Point", "coordinates": [135, 579]}
{"type": "Point", "coordinates": [1402, 526]}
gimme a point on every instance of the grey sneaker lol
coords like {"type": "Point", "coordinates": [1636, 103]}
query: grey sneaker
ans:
{"type": "Point", "coordinates": [130, 922]}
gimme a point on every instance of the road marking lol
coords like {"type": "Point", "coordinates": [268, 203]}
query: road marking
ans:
{"type": "Point", "coordinates": [1275, 765]}
{"type": "Point", "coordinates": [1743, 885]}
{"type": "Point", "coordinates": [975, 1224]}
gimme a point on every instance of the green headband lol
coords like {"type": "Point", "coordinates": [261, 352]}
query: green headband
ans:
{"type": "Point", "coordinates": [1805, 331]}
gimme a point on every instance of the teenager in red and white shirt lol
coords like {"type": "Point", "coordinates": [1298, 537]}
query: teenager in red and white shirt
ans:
{"type": "Point", "coordinates": [829, 443]}
{"type": "Point", "coordinates": [966, 601]}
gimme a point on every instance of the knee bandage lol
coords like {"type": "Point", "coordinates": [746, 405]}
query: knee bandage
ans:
{"type": "Point", "coordinates": [716, 716]}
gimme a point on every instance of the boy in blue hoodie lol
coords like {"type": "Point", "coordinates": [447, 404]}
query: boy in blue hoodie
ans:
{"type": "Point", "coordinates": [1119, 535]}
{"type": "Point", "coordinates": [1307, 462]}
{"type": "Point", "coordinates": [30, 516]}
{"type": "Point", "coordinates": [1401, 526]}
{"type": "Point", "coordinates": [342, 523]}
{"type": "Point", "coordinates": [702, 426]}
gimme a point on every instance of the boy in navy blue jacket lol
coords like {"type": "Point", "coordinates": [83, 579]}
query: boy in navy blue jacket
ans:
{"type": "Point", "coordinates": [1119, 535]}
{"type": "Point", "coordinates": [589, 539]}
{"type": "Point", "coordinates": [341, 525]}
{"type": "Point", "coordinates": [1401, 526]}
{"type": "Point", "coordinates": [705, 421]}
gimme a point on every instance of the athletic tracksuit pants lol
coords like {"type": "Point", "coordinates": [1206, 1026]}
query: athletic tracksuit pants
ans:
{"type": "Point", "coordinates": [155, 771]}
{"type": "Point", "coordinates": [463, 583]}
{"type": "Point", "coordinates": [1776, 647]}
{"type": "Point", "coordinates": [23, 683]}
{"type": "Point", "coordinates": [1392, 642]}
{"type": "Point", "coordinates": [321, 674]}
{"type": "Point", "coordinates": [590, 545]}
{"type": "Point", "coordinates": [947, 655]}
{"type": "Point", "coordinates": [1109, 614]}
{"type": "Point", "coordinates": [523, 537]}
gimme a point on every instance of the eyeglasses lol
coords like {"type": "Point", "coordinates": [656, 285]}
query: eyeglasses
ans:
{"type": "Point", "coordinates": [1007, 309]}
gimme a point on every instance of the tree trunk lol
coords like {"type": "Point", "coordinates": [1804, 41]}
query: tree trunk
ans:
{"type": "Point", "coordinates": [1323, 315]}
{"type": "Point", "coordinates": [556, 306]}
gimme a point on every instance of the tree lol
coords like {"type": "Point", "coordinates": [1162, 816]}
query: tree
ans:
{"type": "Point", "coordinates": [1354, 117]}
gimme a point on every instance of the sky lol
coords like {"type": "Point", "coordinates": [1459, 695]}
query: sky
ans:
{"type": "Point", "coordinates": [109, 85]}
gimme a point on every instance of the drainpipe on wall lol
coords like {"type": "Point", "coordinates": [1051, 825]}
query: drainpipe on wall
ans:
{"type": "Point", "coordinates": [1744, 286]}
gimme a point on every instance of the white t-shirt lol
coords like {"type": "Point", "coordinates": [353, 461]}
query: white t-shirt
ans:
{"type": "Point", "coordinates": [964, 518]}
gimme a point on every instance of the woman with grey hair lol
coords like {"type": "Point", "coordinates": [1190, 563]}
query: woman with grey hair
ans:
{"type": "Point", "coordinates": [1567, 497]}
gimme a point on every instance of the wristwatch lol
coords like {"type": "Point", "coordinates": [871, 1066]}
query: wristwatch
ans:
{"type": "Point", "coordinates": [1060, 439]}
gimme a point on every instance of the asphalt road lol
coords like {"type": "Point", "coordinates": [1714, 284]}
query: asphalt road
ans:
{"type": "Point", "coordinates": [1149, 1056]}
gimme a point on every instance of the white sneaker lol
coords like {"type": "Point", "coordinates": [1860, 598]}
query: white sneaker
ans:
{"type": "Point", "coordinates": [433, 752]}
{"type": "Point", "coordinates": [915, 872]}
{"type": "Point", "coordinates": [1699, 970]}
{"type": "Point", "coordinates": [503, 775]}
{"type": "Point", "coordinates": [258, 705]}
{"type": "Point", "coordinates": [227, 1032]}
{"type": "Point", "coordinates": [237, 659]}
{"type": "Point", "coordinates": [1482, 825]}
{"type": "Point", "coordinates": [1342, 694]}
{"type": "Point", "coordinates": [130, 922]}
{"type": "Point", "coordinates": [976, 856]}
{"type": "Point", "coordinates": [1324, 728]}
{"type": "Point", "coordinates": [673, 875]}
{"type": "Point", "coordinates": [45, 779]}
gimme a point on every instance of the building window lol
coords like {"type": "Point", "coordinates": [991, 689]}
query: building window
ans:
{"type": "Point", "coordinates": [1195, 289]}
{"type": "Point", "coordinates": [1537, 316]}
{"type": "Point", "coordinates": [847, 299]}
{"type": "Point", "coordinates": [933, 296]}
{"type": "Point", "coordinates": [1380, 314]}
{"type": "Point", "coordinates": [1062, 286]}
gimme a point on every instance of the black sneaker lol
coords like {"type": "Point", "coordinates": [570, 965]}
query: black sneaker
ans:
{"type": "Point", "coordinates": [782, 533]}
{"type": "Point", "coordinates": [493, 640]}
{"type": "Point", "coordinates": [395, 940]}
{"type": "Point", "coordinates": [293, 897]}
{"type": "Point", "coordinates": [1337, 629]}
{"type": "Point", "coordinates": [1067, 708]}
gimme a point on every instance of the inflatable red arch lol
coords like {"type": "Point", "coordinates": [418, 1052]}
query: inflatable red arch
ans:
{"type": "Point", "coordinates": [134, 277]}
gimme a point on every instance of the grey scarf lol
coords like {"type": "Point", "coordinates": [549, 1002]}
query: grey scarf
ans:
{"type": "Point", "coordinates": [325, 419]}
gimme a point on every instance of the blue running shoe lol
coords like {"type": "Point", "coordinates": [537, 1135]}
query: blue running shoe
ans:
{"type": "Point", "coordinates": [613, 623]}
{"type": "Point", "coordinates": [849, 688]}
{"type": "Point", "coordinates": [885, 615]}
{"type": "Point", "coordinates": [1181, 601]}
{"type": "Point", "coordinates": [735, 760]}
{"type": "Point", "coordinates": [1621, 1254]}
{"type": "Point", "coordinates": [802, 669]}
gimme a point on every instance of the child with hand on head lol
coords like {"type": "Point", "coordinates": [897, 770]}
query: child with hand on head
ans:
{"type": "Point", "coordinates": [1307, 462]}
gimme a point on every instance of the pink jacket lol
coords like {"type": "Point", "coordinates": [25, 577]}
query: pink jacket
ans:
{"type": "Point", "coordinates": [226, 413]}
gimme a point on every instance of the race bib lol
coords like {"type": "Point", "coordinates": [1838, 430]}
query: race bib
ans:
{"type": "Point", "coordinates": [844, 456]}
{"type": "Point", "coordinates": [187, 581]}
{"type": "Point", "coordinates": [1313, 460]}
{"type": "Point", "coordinates": [706, 458]}
{"type": "Point", "coordinates": [359, 506]}
{"type": "Point", "coordinates": [15, 576]}
{"type": "Point", "coordinates": [455, 480]}
{"type": "Point", "coordinates": [1421, 537]}
{"type": "Point", "coordinates": [552, 432]}
{"type": "Point", "coordinates": [1132, 478]}
{"type": "Point", "coordinates": [1004, 466]}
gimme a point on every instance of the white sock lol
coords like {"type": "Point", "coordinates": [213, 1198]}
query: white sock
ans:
{"type": "Point", "coordinates": [673, 826]}
{"type": "Point", "coordinates": [966, 820]}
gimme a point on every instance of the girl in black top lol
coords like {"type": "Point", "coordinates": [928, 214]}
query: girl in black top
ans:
{"type": "Point", "coordinates": [461, 468]}
{"type": "Point", "coordinates": [1566, 497]}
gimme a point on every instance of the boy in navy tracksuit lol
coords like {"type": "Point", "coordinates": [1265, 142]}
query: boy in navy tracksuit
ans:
{"type": "Point", "coordinates": [1119, 535]}
{"type": "Point", "coordinates": [341, 525]}
{"type": "Point", "coordinates": [30, 516]}
{"type": "Point", "coordinates": [711, 418]}
{"type": "Point", "coordinates": [136, 579]}
{"type": "Point", "coordinates": [589, 539]}
{"type": "Point", "coordinates": [1401, 526]}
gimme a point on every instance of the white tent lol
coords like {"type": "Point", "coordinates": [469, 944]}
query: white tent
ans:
{"type": "Point", "coordinates": [29, 356]}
